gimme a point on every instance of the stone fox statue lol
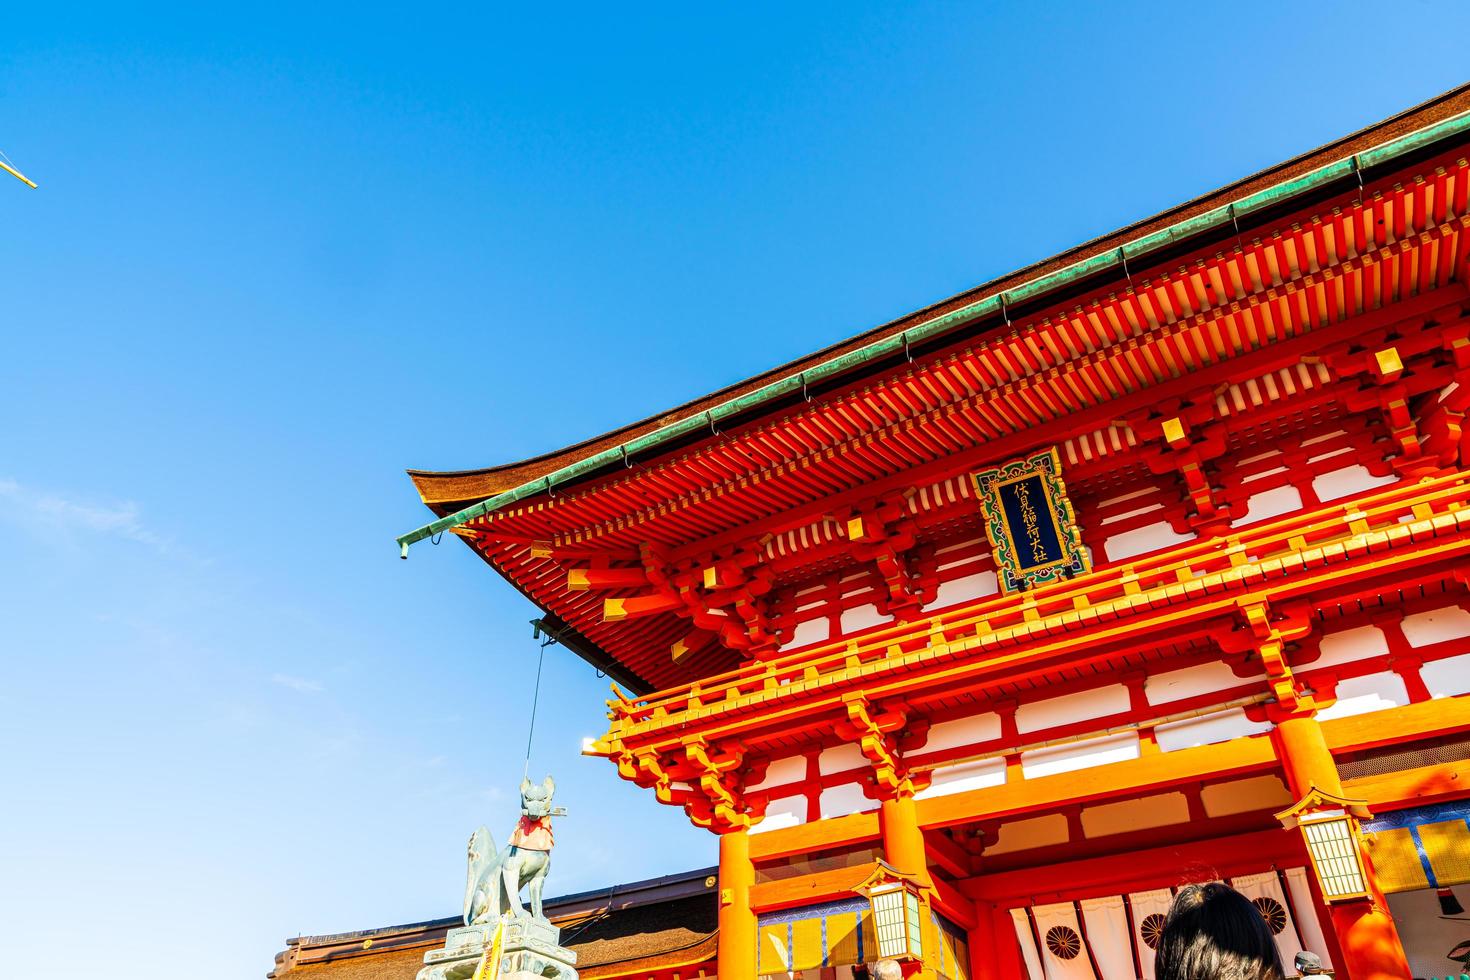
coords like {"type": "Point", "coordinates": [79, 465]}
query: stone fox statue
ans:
{"type": "Point", "coordinates": [496, 878]}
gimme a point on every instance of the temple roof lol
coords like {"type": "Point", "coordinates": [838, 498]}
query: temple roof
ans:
{"type": "Point", "coordinates": [448, 490]}
{"type": "Point", "coordinates": [664, 552]}
{"type": "Point", "coordinates": [635, 929]}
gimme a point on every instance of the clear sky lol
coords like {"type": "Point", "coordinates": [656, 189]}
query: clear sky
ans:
{"type": "Point", "coordinates": [280, 254]}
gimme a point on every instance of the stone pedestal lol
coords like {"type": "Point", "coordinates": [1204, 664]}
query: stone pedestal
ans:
{"type": "Point", "coordinates": [529, 951]}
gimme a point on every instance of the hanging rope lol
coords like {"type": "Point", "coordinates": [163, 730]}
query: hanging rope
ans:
{"type": "Point", "coordinates": [535, 699]}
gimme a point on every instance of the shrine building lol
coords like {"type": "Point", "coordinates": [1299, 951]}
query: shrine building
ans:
{"type": "Point", "coordinates": [973, 637]}
{"type": "Point", "coordinates": [659, 929]}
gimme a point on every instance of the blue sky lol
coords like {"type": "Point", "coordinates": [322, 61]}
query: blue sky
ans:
{"type": "Point", "coordinates": [280, 254]}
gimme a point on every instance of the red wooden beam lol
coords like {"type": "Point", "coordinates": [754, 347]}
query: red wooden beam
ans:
{"type": "Point", "coordinates": [582, 579]}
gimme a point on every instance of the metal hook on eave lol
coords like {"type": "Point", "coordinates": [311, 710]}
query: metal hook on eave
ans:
{"type": "Point", "coordinates": [626, 464]}
{"type": "Point", "coordinates": [1358, 173]}
{"type": "Point", "coordinates": [906, 351]}
{"type": "Point", "coordinates": [710, 418]}
{"type": "Point", "coordinates": [1005, 310]}
{"type": "Point", "coordinates": [804, 394]}
{"type": "Point", "coordinates": [1123, 257]}
{"type": "Point", "coordinates": [1235, 223]}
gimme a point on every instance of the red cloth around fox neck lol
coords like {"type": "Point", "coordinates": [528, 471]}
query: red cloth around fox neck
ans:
{"type": "Point", "coordinates": [532, 834]}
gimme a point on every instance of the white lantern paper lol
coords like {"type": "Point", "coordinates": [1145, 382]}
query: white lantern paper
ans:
{"type": "Point", "coordinates": [896, 921]}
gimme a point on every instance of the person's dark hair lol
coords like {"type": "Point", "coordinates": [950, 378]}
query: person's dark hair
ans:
{"type": "Point", "coordinates": [1213, 932]}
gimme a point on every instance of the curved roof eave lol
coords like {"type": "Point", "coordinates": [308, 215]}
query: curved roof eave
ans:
{"type": "Point", "coordinates": [446, 490]}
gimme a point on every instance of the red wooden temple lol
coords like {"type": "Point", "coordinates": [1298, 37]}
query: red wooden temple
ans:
{"type": "Point", "coordinates": [1146, 564]}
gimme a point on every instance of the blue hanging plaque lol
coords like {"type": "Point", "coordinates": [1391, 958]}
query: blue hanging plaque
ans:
{"type": "Point", "coordinates": [1029, 522]}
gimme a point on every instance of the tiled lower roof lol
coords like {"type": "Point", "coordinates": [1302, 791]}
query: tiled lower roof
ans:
{"type": "Point", "coordinates": [611, 942]}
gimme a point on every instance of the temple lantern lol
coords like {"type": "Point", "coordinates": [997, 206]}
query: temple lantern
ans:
{"type": "Point", "coordinates": [1329, 826]}
{"type": "Point", "coordinates": [897, 902]}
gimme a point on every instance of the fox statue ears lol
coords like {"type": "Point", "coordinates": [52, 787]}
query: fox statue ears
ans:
{"type": "Point", "coordinates": [549, 784]}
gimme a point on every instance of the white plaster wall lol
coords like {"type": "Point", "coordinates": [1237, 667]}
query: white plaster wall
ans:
{"type": "Point", "coordinates": [946, 558]}
{"type": "Point", "coordinates": [1126, 816]}
{"type": "Point", "coordinates": [967, 776]}
{"type": "Point", "coordinates": [811, 631]}
{"type": "Point", "coordinates": [1339, 451]}
{"type": "Point", "coordinates": [1350, 646]}
{"type": "Point", "coordinates": [1436, 626]}
{"type": "Point", "coordinates": [1144, 509]}
{"type": "Point", "coordinates": [1176, 685]}
{"type": "Point", "coordinates": [1360, 695]}
{"type": "Point", "coordinates": [861, 618]}
{"type": "Point", "coordinates": [1245, 796]}
{"type": "Point", "coordinates": [1323, 437]}
{"type": "Point", "coordinates": [1346, 482]}
{"type": "Point", "coordinates": [1269, 503]}
{"type": "Point", "coordinates": [789, 811]}
{"type": "Point", "coordinates": [839, 801]}
{"type": "Point", "coordinates": [1208, 730]}
{"type": "Point", "coordinates": [1263, 474]}
{"type": "Point", "coordinates": [976, 586]}
{"type": "Point", "coordinates": [1447, 678]}
{"type": "Point", "coordinates": [840, 758]}
{"type": "Point", "coordinates": [1020, 835]}
{"type": "Point", "coordinates": [1037, 715]}
{"type": "Point", "coordinates": [1141, 540]}
{"type": "Point", "coordinates": [782, 771]}
{"type": "Point", "coordinates": [962, 732]}
{"type": "Point", "coordinates": [1146, 491]}
{"type": "Point", "coordinates": [1079, 755]}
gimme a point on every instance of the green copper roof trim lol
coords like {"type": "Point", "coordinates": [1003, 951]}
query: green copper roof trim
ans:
{"type": "Point", "coordinates": [993, 304]}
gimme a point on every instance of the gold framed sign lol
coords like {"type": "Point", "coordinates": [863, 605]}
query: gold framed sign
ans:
{"type": "Point", "coordinates": [1029, 521]}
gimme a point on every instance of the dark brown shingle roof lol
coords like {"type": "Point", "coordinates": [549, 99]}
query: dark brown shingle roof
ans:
{"type": "Point", "coordinates": [607, 944]}
{"type": "Point", "coordinates": [660, 923]}
{"type": "Point", "coordinates": [652, 930]}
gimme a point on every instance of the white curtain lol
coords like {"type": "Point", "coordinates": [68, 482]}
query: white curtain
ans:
{"type": "Point", "coordinates": [1265, 889]}
{"type": "Point", "coordinates": [1307, 923]}
{"type": "Point", "coordinates": [1107, 934]}
{"type": "Point", "coordinates": [1027, 943]}
{"type": "Point", "coordinates": [1063, 953]}
{"type": "Point", "coordinates": [1145, 904]}
{"type": "Point", "coordinates": [1113, 941]}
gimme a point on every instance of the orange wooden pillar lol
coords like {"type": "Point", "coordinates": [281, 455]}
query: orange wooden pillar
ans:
{"type": "Point", "coordinates": [736, 958]}
{"type": "Point", "coordinates": [1370, 942]}
{"type": "Point", "coordinates": [903, 849]}
{"type": "Point", "coordinates": [903, 841]}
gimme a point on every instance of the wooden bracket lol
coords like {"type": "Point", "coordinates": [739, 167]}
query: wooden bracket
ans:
{"type": "Point", "coordinates": [1185, 449]}
{"type": "Point", "coordinates": [1266, 633]}
{"type": "Point", "coordinates": [878, 734]}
